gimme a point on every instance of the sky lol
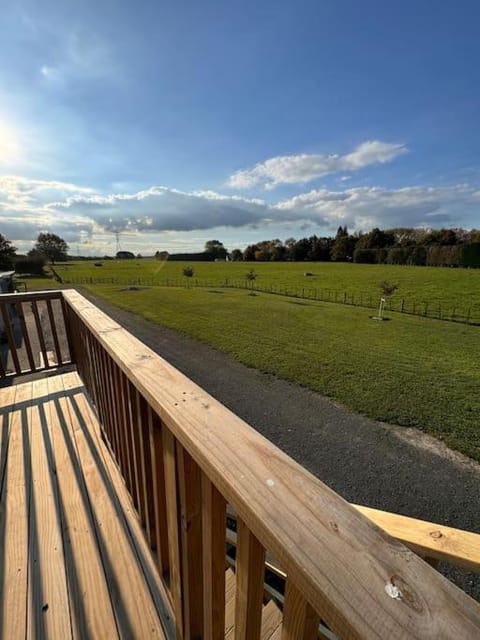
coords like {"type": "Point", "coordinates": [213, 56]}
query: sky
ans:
{"type": "Point", "coordinates": [175, 122]}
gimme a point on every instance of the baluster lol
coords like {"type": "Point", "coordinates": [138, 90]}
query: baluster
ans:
{"type": "Point", "coordinates": [249, 584]}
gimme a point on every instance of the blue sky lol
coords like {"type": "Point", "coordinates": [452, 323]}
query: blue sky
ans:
{"type": "Point", "coordinates": [179, 121]}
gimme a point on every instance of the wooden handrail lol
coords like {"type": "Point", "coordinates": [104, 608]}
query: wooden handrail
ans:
{"type": "Point", "coordinates": [358, 579]}
{"type": "Point", "coordinates": [29, 296]}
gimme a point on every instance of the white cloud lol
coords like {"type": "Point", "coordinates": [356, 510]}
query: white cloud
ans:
{"type": "Point", "coordinates": [302, 168]}
{"type": "Point", "coordinates": [164, 209]}
{"type": "Point", "coordinates": [362, 208]}
{"type": "Point", "coordinates": [20, 192]}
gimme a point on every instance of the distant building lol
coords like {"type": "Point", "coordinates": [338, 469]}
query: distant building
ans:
{"type": "Point", "coordinates": [125, 255]}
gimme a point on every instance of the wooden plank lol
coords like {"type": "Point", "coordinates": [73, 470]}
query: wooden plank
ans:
{"type": "Point", "coordinates": [229, 603]}
{"type": "Point", "coordinates": [300, 622]}
{"type": "Point", "coordinates": [14, 517]}
{"type": "Point", "coordinates": [249, 586]}
{"type": "Point", "coordinates": [299, 519]}
{"type": "Point", "coordinates": [135, 611]}
{"type": "Point", "coordinates": [121, 423]}
{"type": "Point", "coordinates": [271, 621]}
{"type": "Point", "coordinates": [26, 337]}
{"type": "Point", "coordinates": [461, 548]}
{"type": "Point", "coordinates": [141, 409]}
{"type": "Point", "coordinates": [112, 407]}
{"type": "Point", "coordinates": [48, 603]}
{"type": "Point", "coordinates": [271, 614]}
{"type": "Point", "coordinates": [159, 500]}
{"type": "Point", "coordinates": [190, 493]}
{"type": "Point", "coordinates": [10, 337]}
{"type": "Point", "coordinates": [7, 411]}
{"type": "Point", "coordinates": [139, 489]}
{"type": "Point", "coordinates": [53, 327]}
{"type": "Point", "coordinates": [127, 514]}
{"type": "Point", "coordinates": [171, 497]}
{"type": "Point", "coordinates": [214, 526]}
{"type": "Point", "coordinates": [90, 606]}
{"type": "Point", "coordinates": [127, 427]}
{"type": "Point", "coordinates": [41, 337]}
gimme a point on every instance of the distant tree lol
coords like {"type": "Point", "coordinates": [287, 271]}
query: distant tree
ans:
{"type": "Point", "coordinates": [343, 246]}
{"type": "Point", "coordinates": [376, 239]}
{"type": "Point", "coordinates": [7, 253]}
{"type": "Point", "coordinates": [216, 249]}
{"type": "Point", "coordinates": [161, 255]}
{"type": "Point", "coordinates": [125, 255]}
{"type": "Point", "coordinates": [236, 255]}
{"type": "Point", "coordinates": [249, 253]}
{"type": "Point", "coordinates": [52, 247]}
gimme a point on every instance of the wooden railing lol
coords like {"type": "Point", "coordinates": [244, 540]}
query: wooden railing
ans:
{"type": "Point", "coordinates": [32, 334]}
{"type": "Point", "coordinates": [185, 457]}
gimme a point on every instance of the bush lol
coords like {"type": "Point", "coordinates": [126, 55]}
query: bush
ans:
{"type": "Point", "coordinates": [32, 266]}
{"type": "Point", "coordinates": [188, 271]}
{"type": "Point", "coordinates": [445, 256]}
{"type": "Point", "coordinates": [365, 256]}
{"type": "Point", "coordinates": [418, 256]}
{"type": "Point", "coordinates": [471, 255]}
{"type": "Point", "coordinates": [398, 255]}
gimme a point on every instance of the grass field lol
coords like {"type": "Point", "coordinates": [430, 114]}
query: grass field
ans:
{"type": "Point", "coordinates": [455, 290]}
{"type": "Point", "coordinates": [409, 371]}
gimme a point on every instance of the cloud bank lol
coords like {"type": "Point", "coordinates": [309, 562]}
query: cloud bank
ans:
{"type": "Point", "coordinates": [28, 206]}
{"type": "Point", "coordinates": [302, 168]}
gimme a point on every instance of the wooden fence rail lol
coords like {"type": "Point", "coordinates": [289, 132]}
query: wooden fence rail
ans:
{"type": "Point", "coordinates": [32, 333]}
{"type": "Point", "coordinates": [185, 457]}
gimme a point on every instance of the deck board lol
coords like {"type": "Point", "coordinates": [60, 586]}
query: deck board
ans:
{"type": "Point", "coordinates": [48, 608]}
{"type": "Point", "coordinates": [69, 563]}
{"type": "Point", "coordinates": [90, 605]}
{"type": "Point", "coordinates": [14, 517]}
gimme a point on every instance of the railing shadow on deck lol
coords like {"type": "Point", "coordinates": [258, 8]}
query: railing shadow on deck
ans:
{"type": "Point", "coordinates": [9, 419]}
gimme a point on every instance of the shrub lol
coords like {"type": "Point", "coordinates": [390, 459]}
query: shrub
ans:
{"type": "Point", "coordinates": [33, 266]}
{"type": "Point", "coordinates": [188, 271]}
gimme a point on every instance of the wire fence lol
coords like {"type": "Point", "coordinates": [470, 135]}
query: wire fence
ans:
{"type": "Point", "coordinates": [466, 314]}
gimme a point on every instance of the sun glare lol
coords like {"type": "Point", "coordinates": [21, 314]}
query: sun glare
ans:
{"type": "Point", "coordinates": [9, 146]}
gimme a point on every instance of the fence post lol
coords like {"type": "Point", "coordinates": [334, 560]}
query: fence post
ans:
{"type": "Point", "coordinates": [344, 297]}
{"type": "Point", "coordinates": [402, 304]}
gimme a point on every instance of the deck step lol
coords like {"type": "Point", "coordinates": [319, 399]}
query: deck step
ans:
{"type": "Point", "coordinates": [271, 615]}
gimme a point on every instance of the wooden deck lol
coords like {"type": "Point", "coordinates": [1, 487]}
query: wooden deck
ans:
{"type": "Point", "coordinates": [73, 559]}
{"type": "Point", "coordinates": [120, 530]}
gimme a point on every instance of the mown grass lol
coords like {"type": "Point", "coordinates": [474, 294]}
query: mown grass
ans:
{"type": "Point", "coordinates": [409, 371]}
{"type": "Point", "coordinates": [454, 290]}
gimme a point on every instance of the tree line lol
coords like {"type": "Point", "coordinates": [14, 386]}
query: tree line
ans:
{"type": "Point", "coordinates": [434, 247]}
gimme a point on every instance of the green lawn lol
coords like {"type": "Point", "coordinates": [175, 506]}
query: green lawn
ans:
{"type": "Point", "coordinates": [455, 290]}
{"type": "Point", "coordinates": [409, 371]}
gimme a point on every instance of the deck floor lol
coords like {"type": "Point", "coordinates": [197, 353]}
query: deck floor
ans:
{"type": "Point", "coordinates": [73, 559]}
